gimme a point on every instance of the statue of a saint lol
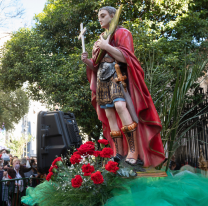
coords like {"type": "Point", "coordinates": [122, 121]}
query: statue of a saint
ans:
{"type": "Point", "coordinates": [140, 143]}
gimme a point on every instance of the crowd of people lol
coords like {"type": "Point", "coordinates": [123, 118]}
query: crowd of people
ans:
{"type": "Point", "coordinates": [24, 173]}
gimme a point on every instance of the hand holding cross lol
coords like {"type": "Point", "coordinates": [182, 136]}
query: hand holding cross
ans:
{"type": "Point", "coordinates": [84, 56]}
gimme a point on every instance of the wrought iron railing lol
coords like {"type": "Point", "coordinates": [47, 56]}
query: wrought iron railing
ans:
{"type": "Point", "coordinates": [13, 189]}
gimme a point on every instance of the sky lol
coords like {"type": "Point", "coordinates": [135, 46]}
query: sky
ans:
{"type": "Point", "coordinates": [31, 7]}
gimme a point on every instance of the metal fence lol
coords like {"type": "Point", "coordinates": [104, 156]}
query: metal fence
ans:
{"type": "Point", "coordinates": [12, 190]}
{"type": "Point", "coordinates": [196, 138]}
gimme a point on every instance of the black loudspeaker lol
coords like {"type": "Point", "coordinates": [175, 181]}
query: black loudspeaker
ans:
{"type": "Point", "coordinates": [57, 132]}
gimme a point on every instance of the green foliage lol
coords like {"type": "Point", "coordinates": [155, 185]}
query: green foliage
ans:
{"type": "Point", "coordinates": [173, 117]}
{"type": "Point", "coordinates": [170, 102]}
{"type": "Point", "coordinates": [17, 145]}
{"type": "Point", "coordinates": [53, 78]}
{"type": "Point", "coordinates": [126, 172]}
{"type": "Point", "coordinates": [13, 106]}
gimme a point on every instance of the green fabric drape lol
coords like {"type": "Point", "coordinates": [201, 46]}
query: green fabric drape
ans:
{"type": "Point", "coordinates": [179, 188]}
{"type": "Point", "coordinates": [184, 188]}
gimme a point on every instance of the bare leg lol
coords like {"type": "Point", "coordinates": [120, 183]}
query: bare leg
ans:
{"type": "Point", "coordinates": [131, 137]}
{"type": "Point", "coordinates": [110, 113]}
{"type": "Point", "coordinates": [123, 113]}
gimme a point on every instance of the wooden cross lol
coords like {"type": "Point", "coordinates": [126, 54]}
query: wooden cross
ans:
{"type": "Point", "coordinates": [81, 36]}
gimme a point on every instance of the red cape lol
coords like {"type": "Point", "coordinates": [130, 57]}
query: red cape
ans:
{"type": "Point", "coordinates": [148, 131]}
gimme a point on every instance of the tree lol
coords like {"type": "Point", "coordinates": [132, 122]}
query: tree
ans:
{"type": "Point", "coordinates": [53, 78]}
{"type": "Point", "coordinates": [17, 146]}
{"type": "Point", "coordinates": [13, 106]}
{"type": "Point", "coordinates": [48, 55]}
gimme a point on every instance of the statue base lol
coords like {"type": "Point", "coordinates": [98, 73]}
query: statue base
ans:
{"type": "Point", "coordinates": [152, 172]}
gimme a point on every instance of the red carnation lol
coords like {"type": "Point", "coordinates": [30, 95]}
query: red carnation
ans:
{"type": "Point", "coordinates": [87, 169]}
{"type": "Point", "coordinates": [77, 152]}
{"type": "Point", "coordinates": [112, 167]}
{"type": "Point", "coordinates": [0, 156]}
{"type": "Point", "coordinates": [90, 142]}
{"type": "Point", "coordinates": [56, 160]}
{"type": "Point", "coordinates": [106, 153]}
{"type": "Point", "coordinates": [51, 168]}
{"type": "Point", "coordinates": [96, 153]}
{"type": "Point", "coordinates": [103, 141]}
{"type": "Point", "coordinates": [75, 158]}
{"type": "Point", "coordinates": [86, 149]}
{"type": "Point", "coordinates": [97, 177]}
{"type": "Point", "coordinates": [49, 176]}
{"type": "Point", "coordinates": [9, 177]}
{"type": "Point", "coordinates": [77, 181]}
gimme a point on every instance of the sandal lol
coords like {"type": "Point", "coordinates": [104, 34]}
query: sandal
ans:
{"type": "Point", "coordinates": [134, 162]}
{"type": "Point", "coordinates": [118, 158]}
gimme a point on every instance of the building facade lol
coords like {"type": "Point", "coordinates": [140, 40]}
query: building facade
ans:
{"type": "Point", "coordinates": [27, 128]}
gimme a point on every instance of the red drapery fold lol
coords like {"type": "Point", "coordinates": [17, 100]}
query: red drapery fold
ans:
{"type": "Point", "coordinates": [148, 131]}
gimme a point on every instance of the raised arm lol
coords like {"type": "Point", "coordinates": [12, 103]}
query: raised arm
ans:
{"type": "Point", "coordinates": [87, 61]}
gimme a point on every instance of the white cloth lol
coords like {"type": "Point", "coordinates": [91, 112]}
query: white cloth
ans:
{"type": "Point", "coordinates": [19, 182]}
{"type": "Point", "coordinates": [5, 157]}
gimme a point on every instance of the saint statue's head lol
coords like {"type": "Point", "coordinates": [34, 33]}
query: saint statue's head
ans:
{"type": "Point", "coordinates": [105, 16]}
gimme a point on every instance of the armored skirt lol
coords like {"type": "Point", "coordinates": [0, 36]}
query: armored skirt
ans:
{"type": "Point", "coordinates": [108, 91]}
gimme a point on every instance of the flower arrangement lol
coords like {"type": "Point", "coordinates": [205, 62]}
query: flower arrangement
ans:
{"type": "Point", "coordinates": [86, 177]}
